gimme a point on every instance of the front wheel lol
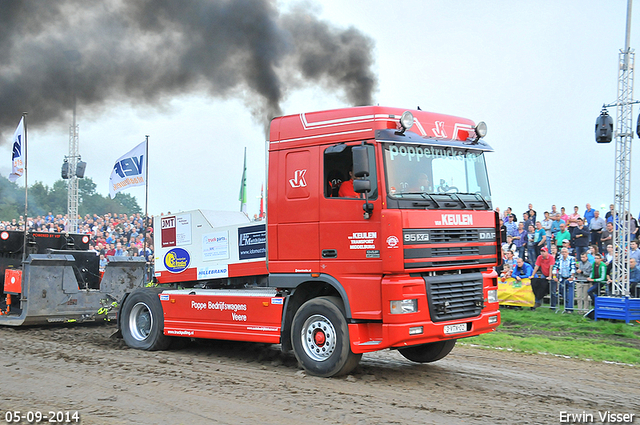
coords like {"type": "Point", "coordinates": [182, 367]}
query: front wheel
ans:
{"type": "Point", "coordinates": [320, 338]}
{"type": "Point", "coordinates": [427, 353]}
{"type": "Point", "coordinates": [142, 321]}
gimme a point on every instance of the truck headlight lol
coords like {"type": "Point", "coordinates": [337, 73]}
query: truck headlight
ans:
{"type": "Point", "coordinates": [492, 296]}
{"type": "Point", "coordinates": [404, 306]}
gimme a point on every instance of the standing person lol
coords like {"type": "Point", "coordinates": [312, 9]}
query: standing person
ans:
{"type": "Point", "coordinates": [589, 214]}
{"type": "Point", "coordinates": [555, 227]}
{"type": "Point", "coordinates": [634, 252]}
{"type": "Point", "coordinates": [554, 211]}
{"type": "Point", "coordinates": [598, 278]}
{"type": "Point", "coordinates": [546, 225]}
{"type": "Point", "coordinates": [609, 216]}
{"type": "Point", "coordinates": [596, 226]}
{"type": "Point", "coordinates": [503, 231]}
{"type": "Point", "coordinates": [583, 272]}
{"type": "Point", "coordinates": [633, 223]}
{"type": "Point", "coordinates": [527, 221]}
{"type": "Point", "coordinates": [634, 277]}
{"type": "Point", "coordinates": [540, 238]}
{"type": "Point", "coordinates": [563, 234]}
{"type": "Point", "coordinates": [533, 215]}
{"type": "Point", "coordinates": [573, 221]}
{"type": "Point", "coordinates": [520, 240]}
{"type": "Point", "coordinates": [540, 282]}
{"type": "Point", "coordinates": [511, 225]}
{"type": "Point", "coordinates": [608, 257]}
{"type": "Point", "coordinates": [580, 238]}
{"type": "Point", "coordinates": [531, 245]}
{"type": "Point", "coordinates": [606, 238]}
{"type": "Point", "coordinates": [564, 215]}
{"type": "Point", "coordinates": [565, 270]}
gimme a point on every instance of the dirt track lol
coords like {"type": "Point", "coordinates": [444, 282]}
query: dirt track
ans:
{"type": "Point", "coordinates": [69, 368]}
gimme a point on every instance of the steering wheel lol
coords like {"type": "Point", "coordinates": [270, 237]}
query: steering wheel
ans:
{"type": "Point", "coordinates": [445, 188]}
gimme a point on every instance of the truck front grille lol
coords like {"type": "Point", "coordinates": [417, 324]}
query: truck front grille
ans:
{"type": "Point", "coordinates": [454, 296]}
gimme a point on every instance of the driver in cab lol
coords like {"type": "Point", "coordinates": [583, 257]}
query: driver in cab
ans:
{"type": "Point", "coordinates": [346, 188]}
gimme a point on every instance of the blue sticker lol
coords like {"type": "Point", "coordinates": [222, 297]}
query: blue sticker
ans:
{"type": "Point", "coordinates": [177, 260]}
{"type": "Point", "coordinates": [164, 297]}
{"type": "Point", "coordinates": [277, 301]}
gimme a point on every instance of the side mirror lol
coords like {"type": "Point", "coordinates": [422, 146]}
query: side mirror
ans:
{"type": "Point", "coordinates": [360, 161]}
{"type": "Point", "coordinates": [361, 186]}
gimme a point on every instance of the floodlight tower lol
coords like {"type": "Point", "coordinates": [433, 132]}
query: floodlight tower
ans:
{"type": "Point", "coordinates": [622, 194]}
{"type": "Point", "coordinates": [72, 160]}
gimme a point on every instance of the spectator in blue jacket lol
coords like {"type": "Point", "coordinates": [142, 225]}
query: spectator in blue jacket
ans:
{"type": "Point", "coordinates": [522, 270]}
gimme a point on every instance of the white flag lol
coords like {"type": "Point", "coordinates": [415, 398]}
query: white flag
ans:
{"type": "Point", "coordinates": [17, 155]}
{"type": "Point", "coordinates": [129, 170]}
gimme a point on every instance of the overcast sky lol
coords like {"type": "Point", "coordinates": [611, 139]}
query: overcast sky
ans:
{"type": "Point", "coordinates": [536, 72]}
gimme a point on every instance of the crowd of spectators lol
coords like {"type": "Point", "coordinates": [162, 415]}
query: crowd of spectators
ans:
{"type": "Point", "coordinates": [565, 254]}
{"type": "Point", "coordinates": [110, 234]}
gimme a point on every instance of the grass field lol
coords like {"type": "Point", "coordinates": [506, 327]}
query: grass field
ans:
{"type": "Point", "coordinates": [543, 331]}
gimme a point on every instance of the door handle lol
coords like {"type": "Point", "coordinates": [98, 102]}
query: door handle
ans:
{"type": "Point", "coordinates": [329, 253]}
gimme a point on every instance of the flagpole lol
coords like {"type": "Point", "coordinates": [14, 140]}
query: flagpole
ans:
{"type": "Point", "coordinates": [146, 203]}
{"type": "Point", "coordinates": [26, 187]}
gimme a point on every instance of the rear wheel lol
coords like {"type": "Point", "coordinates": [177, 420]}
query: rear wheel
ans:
{"type": "Point", "coordinates": [142, 321]}
{"type": "Point", "coordinates": [428, 353]}
{"type": "Point", "coordinates": [320, 338]}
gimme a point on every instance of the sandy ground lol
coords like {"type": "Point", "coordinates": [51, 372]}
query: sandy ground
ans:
{"type": "Point", "coordinates": [80, 368]}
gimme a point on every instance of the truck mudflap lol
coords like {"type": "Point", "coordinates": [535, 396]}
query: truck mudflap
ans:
{"type": "Point", "coordinates": [368, 337]}
{"type": "Point", "coordinates": [240, 315]}
{"type": "Point", "coordinates": [49, 291]}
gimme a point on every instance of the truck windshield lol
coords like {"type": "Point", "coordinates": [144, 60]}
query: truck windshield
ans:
{"type": "Point", "coordinates": [422, 171]}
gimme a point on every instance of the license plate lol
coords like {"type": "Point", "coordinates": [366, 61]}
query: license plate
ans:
{"type": "Point", "coordinates": [454, 329]}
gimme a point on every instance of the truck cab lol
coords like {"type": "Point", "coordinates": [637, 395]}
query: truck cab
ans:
{"type": "Point", "coordinates": [380, 234]}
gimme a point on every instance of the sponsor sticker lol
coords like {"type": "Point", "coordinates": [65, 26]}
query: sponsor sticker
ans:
{"type": "Point", "coordinates": [177, 260]}
{"type": "Point", "coordinates": [213, 272]}
{"type": "Point", "coordinates": [277, 301]}
{"type": "Point", "coordinates": [164, 297]}
{"type": "Point", "coordinates": [252, 242]}
{"type": "Point", "coordinates": [373, 253]}
{"type": "Point", "coordinates": [392, 241]}
{"type": "Point", "coordinates": [363, 240]}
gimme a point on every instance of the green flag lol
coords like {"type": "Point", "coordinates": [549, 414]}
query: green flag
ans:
{"type": "Point", "coordinates": [243, 186]}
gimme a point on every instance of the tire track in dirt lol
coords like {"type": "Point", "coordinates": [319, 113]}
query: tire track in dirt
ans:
{"type": "Point", "coordinates": [81, 368]}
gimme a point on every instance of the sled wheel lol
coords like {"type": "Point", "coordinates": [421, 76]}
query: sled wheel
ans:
{"type": "Point", "coordinates": [142, 321]}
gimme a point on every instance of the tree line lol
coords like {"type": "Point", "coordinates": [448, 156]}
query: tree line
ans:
{"type": "Point", "coordinates": [43, 199]}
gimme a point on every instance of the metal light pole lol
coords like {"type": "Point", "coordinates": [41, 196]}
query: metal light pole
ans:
{"type": "Point", "coordinates": [622, 191]}
{"type": "Point", "coordinates": [72, 186]}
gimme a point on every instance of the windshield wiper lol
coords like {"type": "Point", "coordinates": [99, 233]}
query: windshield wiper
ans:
{"type": "Point", "coordinates": [460, 199]}
{"type": "Point", "coordinates": [477, 195]}
{"type": "Point", "coordinates": [425, 195]}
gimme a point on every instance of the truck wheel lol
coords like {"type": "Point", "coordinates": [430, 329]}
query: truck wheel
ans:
{"type": "Point", "coordinates": [320, 338]}
{"type": "Point", "coordinates": [142, 321]}
{"type": "Point", "coordinates": [428, 353]}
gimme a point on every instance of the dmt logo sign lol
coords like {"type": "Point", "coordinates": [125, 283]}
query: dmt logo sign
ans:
{"type": "Point", "coordinates": [177, 260]}
{"type": "Point", "coordinates": [298, 179]}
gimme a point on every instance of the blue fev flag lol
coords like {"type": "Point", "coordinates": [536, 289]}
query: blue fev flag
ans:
{"type": "Point", "coordinates": [129, 170]}
{"type": "Point", "coordinates": [17, 155]}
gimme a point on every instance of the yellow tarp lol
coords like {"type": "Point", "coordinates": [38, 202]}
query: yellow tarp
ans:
{"type": "Point", "coordinates": [514, 292]}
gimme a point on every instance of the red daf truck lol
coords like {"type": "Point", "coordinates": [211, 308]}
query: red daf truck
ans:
{"type": "Point", "coordinates": [379, 234]}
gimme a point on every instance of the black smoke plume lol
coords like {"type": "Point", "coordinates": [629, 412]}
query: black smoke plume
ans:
{"type": "Point", "coordinates": [146, 51]}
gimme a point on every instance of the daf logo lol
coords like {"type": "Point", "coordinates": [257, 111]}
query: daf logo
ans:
{"type": "Point", "coordinates": [487, 235]}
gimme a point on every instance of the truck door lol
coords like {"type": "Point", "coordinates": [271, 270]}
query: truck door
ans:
{"type": "Point", "coordinates": [349, 243]}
